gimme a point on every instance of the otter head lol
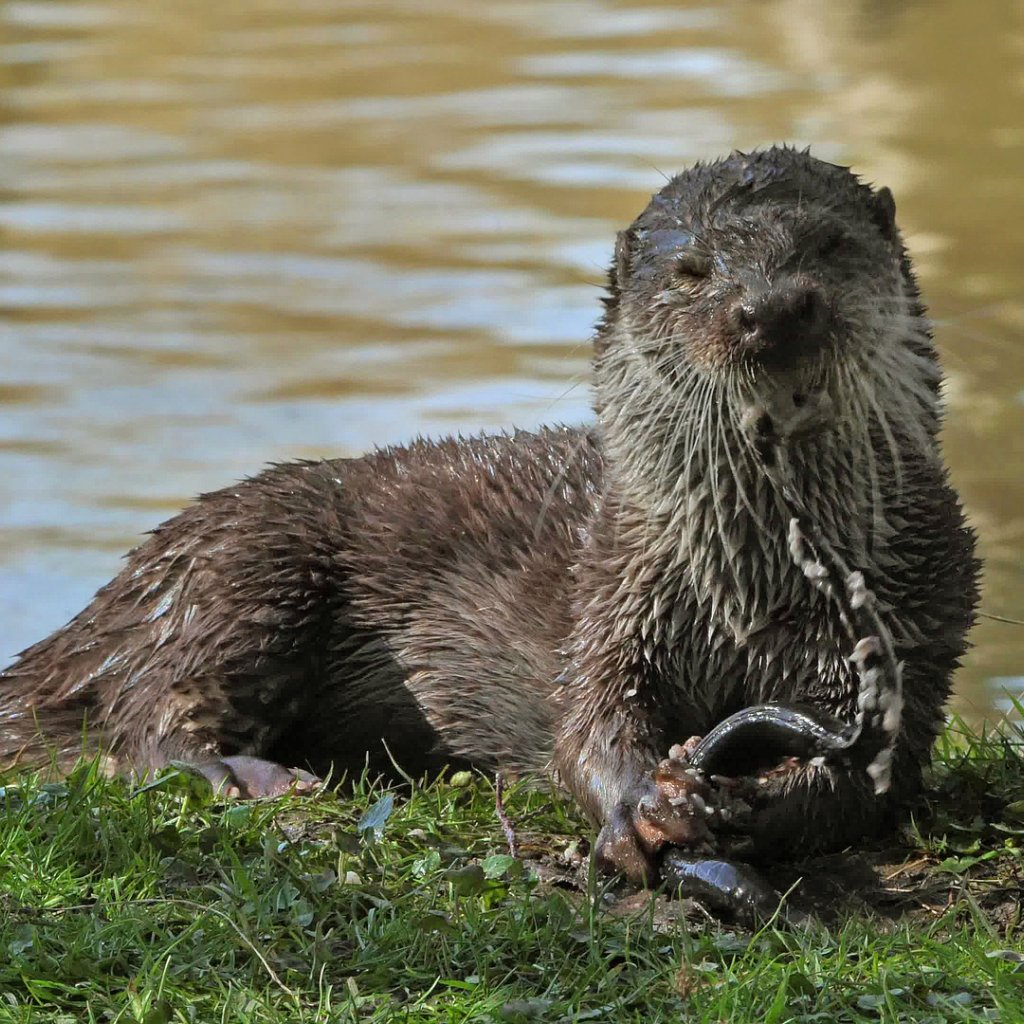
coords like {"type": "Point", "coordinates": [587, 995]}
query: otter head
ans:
{"type": "Point", "coordinates": [766, 295]}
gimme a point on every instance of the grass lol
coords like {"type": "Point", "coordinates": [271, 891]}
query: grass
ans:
{"type": "Point", "coordinates": [166, 904]}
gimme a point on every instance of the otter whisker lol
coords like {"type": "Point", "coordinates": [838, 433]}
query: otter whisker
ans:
{"type": "Point", "coordinates": [736, 452]}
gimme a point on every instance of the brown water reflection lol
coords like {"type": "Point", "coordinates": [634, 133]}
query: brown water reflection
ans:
{"type": "Point", "coordinates": [234, 233]}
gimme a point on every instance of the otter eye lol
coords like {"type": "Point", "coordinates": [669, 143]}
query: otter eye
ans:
{"type": "Point", "coordinates": [690, 263]}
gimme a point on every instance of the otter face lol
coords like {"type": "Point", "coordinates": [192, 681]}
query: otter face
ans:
{"type": "Point", "coordinates": [765, 262]}
{"type": "Point", "coordinates": [778, 277]}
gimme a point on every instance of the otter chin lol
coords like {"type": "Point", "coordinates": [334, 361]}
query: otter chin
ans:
{"type": "Point", "coordinates": [576, 601]}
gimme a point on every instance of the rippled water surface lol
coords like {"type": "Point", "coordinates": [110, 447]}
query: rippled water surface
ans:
{"type": "Point", "coordinates": [238, 233]}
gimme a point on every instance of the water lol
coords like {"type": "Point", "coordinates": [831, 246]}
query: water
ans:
{"type": "Point", "coordinates": [240, 233]}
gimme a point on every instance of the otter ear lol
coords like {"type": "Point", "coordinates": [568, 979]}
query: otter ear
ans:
{"type": "Point", "coordinates": [622, 264]}
{"type": "Point", "coordinates": [884, 210]}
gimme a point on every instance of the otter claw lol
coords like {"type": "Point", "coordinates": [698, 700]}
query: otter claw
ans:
{"type": "Point", "coordinates": [249, 778]}
{"type": "Point", "coordinates": [619, 849]}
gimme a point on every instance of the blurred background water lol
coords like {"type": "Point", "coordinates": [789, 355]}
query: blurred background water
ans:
{"type": "Point", "coordinates": [240, 233]}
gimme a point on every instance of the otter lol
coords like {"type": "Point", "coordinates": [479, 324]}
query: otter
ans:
{"type": "Point", "coordinates": [574, 600]}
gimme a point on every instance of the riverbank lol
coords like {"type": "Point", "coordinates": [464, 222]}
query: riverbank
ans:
{"type": "Point", "coordinates": [167, 905]}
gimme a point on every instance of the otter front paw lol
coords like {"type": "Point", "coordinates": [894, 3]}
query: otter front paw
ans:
{"type": "Point", "coordinates": [673, 807]}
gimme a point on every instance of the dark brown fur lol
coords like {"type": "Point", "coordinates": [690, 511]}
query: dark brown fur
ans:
{"type": "Point", "coordinates": [591, 596]}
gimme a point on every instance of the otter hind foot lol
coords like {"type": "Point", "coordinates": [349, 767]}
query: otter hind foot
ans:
{"type": "Point", "coordinates": [249, 778]}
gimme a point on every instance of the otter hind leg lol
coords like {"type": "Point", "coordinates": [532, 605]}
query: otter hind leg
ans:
{"type": "Point", "coordinates": [209, 644]}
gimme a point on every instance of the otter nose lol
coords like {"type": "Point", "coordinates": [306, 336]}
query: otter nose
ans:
{"type": "Point", "coordinates": [783, 321]}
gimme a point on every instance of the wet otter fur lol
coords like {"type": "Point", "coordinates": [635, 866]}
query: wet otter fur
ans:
{"type": "Point", "coordinates": [574, 600]}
